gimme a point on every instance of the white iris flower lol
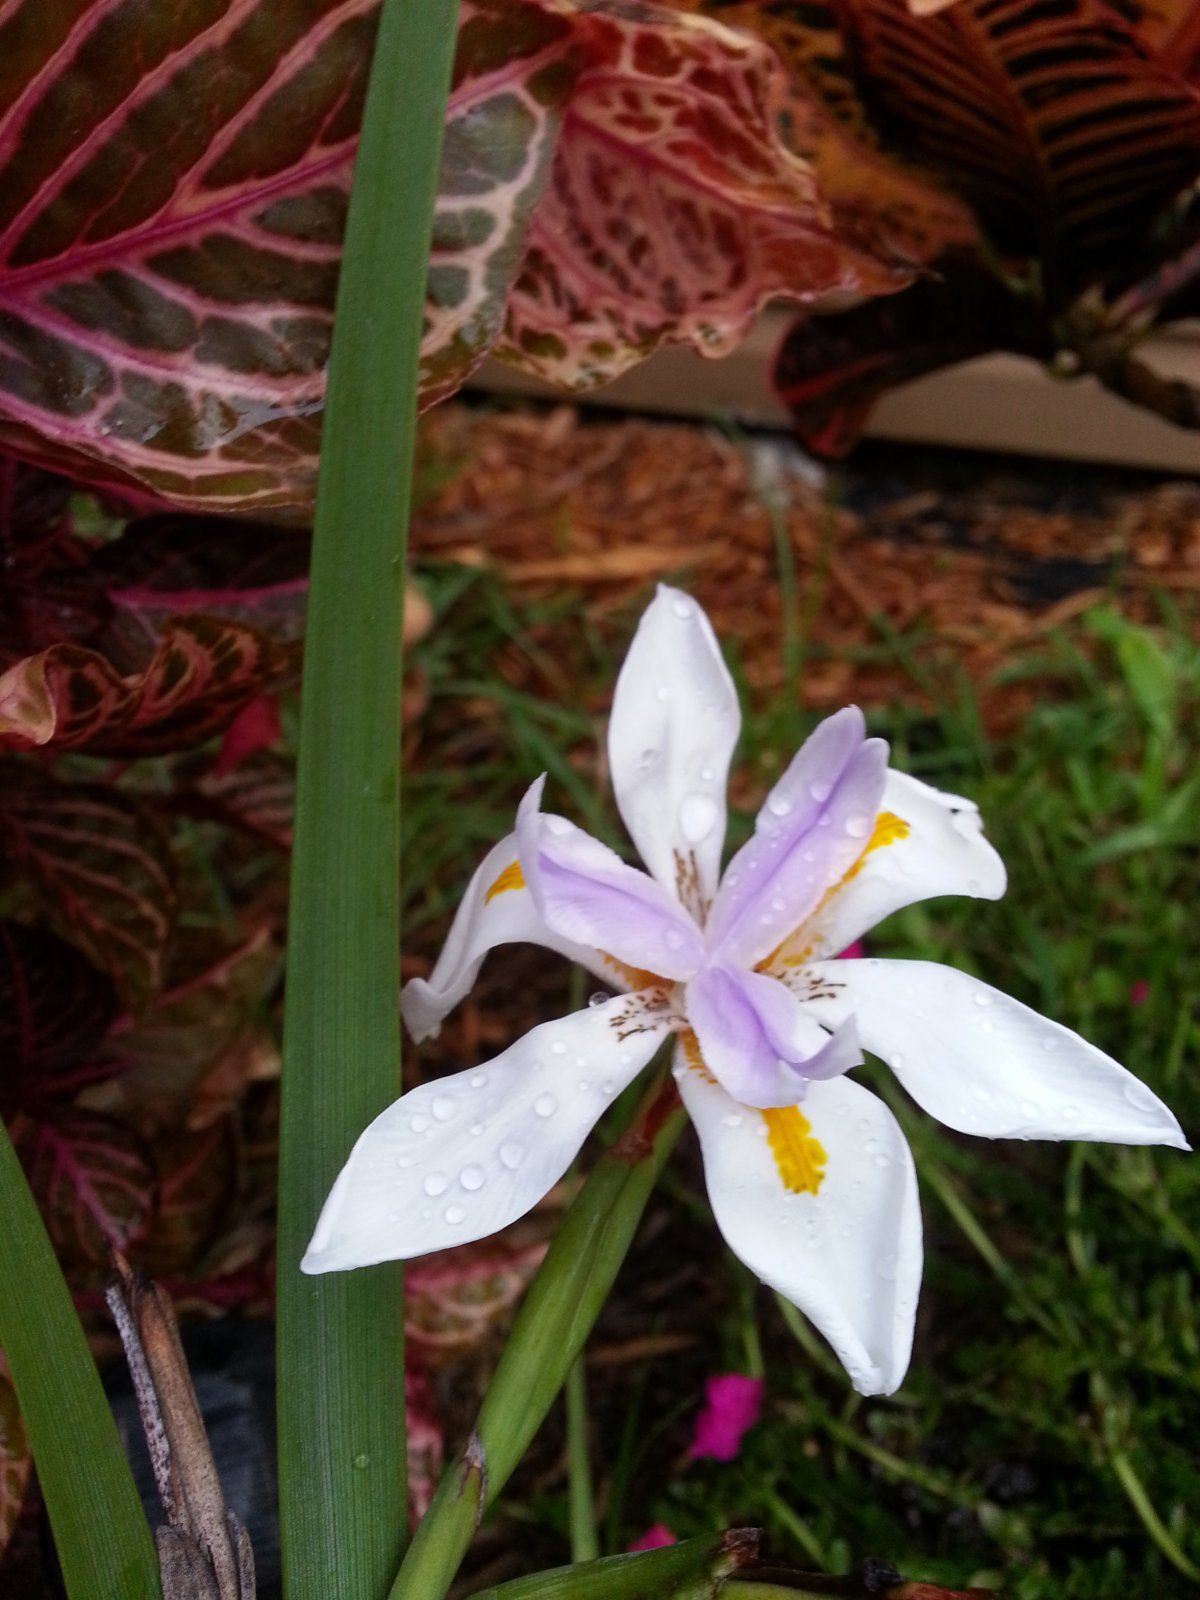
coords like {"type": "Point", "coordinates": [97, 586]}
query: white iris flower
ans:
{"type": "Point", "coordinates": [810, 1177]}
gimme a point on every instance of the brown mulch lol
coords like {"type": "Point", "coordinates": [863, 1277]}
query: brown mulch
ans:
{"type": "Point", "coordinates": [559, 501]}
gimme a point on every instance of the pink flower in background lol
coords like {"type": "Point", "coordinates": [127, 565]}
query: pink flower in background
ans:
{"type": "Point", "coordinates": [654, 1538]}
{"type": "Point", "coordinates": [853, 952]}
{"type": "Point", "coordinates": [1139, 992]}
{"type": "Point", "coordinates": [732, 1403]}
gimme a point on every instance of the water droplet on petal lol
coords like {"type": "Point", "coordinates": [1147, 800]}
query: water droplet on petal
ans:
{"type": "Point", "coordinates": [819, 790]}
{"type": "Point", "coordinates": [733, 1119]}
{"type": "Point", "coordinates": [454, 1215]}
{"type": "Point", "coordinates": [471, 1178]}
{"type": "Point", "coordinates": [443, 1108]}
{"type": "Point", "coordinates": [511, 1156]}
{"type": "Point", "coordinates": [600, 998]}
{"type": "Point", "coordinates": [673, 939]}
{"type": "Point", "coordinates": [559, 1047]}
{"type": "Point", "coordinates": [858, 826]}
{"type": "Point", "coordinates": [681, 608]}
{"type": "Point", "coordinates": [778, 805]}
{"type": "Point", "coordinates": [545, 1105]}
{"type": "Point", "coordinates": [479, 1080]}
{"type": "Point", "coordinates": [697, 817]}
{"type": "Point", "coordinates": [419, 1124]}
{"type": "Point", "coordinates": [707, 775]}
{"type": "Point", "coordinates": [435, 1184]}
{"type": "Point", "coordinates": [663, 692]}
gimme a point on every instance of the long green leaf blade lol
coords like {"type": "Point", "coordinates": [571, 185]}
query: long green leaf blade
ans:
{"type": "Point", "coordinates": [100, 1532]}
{"type": "Point", "coordinates": [340, 1355]}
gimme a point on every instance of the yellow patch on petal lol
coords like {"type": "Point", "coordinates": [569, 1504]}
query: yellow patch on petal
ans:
{"type": "Point", "coordinates": [888, 829]}
{"type": "Point", "coordinates": [511, 878]}
{"type": "Point", "coordinates": [799, 1157]}
{"type": "Point", "coordinates": [690, 1046]}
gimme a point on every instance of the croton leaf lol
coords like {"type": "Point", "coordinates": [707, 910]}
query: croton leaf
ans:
{"type": "Point", "coordinates": [674, 209]}
{"type": "Point", "coordinates": [830, 371]}
{"type": "Point", "coordinates": [173, 189]}
{"type": "Point", "coordinates": [94, 1182]}
{"type": "Point", "coordinates": [172, 565]}
{"type": "Point", "coordinates": [55, 1010]}
{"type": "Point", "coordinates": [100, 868]}
{"type": "Point", "coordinates": [196, 1190]}
{"type": "Point", "coordinates": [15, 1461]}
{"type": "Point", "coordinates": [1063, 126]}
{"type": "Point", "coordinates": [882, 205]}
{"type": "Point", "coordinates": [202, 672]}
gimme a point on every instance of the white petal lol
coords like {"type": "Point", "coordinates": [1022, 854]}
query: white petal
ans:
{"type": "Point", "coordinates": [496, 909]}
{"type": "Point", "coordinates": [675, 721]}
{"type": "Point", "coordinates": [983, 1063]}
{"type": "Point", "coordinates": [943, 852]}
{"type": "Point", "coordinates": [461, 1158]}
{"type": "Point", "coordinates": [850, 1255]}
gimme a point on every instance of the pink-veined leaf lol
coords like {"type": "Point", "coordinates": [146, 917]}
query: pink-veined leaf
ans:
{"type": "Point", "coordinates": [675, 209]}
{"type": "Point", "coordinates": [173, 185]}
{"type": "Point", "coordinates": [423, 1438]}
{"type": "Point", "coordinates": [55, 1011]}
{"type": "Point", "coordinates": [197, 1188]}
{"type": "Point", "coordinates": [202, 672]}
{"type": "Point", "coordinates": [15, 1461]}
{"type": "Point", "coordinates": [94, 1182]}
{"type": "Point", "coordinates": [100, 869]}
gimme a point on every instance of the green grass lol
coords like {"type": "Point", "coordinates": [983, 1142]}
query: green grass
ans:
{"type": "Point", "coordinates": [1045, 1438]}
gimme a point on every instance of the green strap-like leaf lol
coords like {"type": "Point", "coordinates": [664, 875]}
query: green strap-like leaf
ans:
{"type": "Point", "coordinates": [340, 1365]}
{"type": "Point", "coordinates": [100, 1533]}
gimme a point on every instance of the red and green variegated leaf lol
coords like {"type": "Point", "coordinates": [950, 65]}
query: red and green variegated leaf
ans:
{"type": "Point", "coordinates": [256, 796]}
{"type": "Point", "coordinates": [173, 184]}
{"type": "Point", "coordinates": [201, 674]}
{"type": "Point", "coordinates": [196, 1191]}
{"type": "Point", "coordinates": [55, 1010]}
{"type": "Point", "coordinates": [15, 1462]}
{"type": "Point", "coordinates": [882, 206]}
{"type": "Point", "coordinates": [830, 371]}
{"type": "Point", "coordinates": [98, 866]}
{"type": "Point", "coordinates": [1059, 124]}
{"type": "Point", "coordinates": [174, 565]}
{"type": "Point", "coordinates": [46, 594]}
{"type": "Point", "coordinates": [423, 1438]}
{"type": "Point", "coordinates": [674, 208]}
{"type": "Point", "coordinates": [94, 1183]}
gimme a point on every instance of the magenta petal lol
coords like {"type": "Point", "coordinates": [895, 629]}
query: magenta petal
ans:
{"type": "Point", "coordinates": [654, 1538]}
{"type": "Point", "coordinates": [814, 826]}
{"type": "Point", "coordinates": [732, 1403]}
{"type": "Point", "coordinates": [853, 952]}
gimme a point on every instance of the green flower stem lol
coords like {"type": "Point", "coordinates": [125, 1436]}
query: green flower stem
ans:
{"type": "Point", "coordinates": [585, 1546]}
{"type": "Point", "coordinates": [546, 1340]}
{"type": "Point", "coordinates": [100, 1532]}
{"type": "Point", "coordinates": [340, 1357]}
{"type": "Point", "coordinates": [694, 1570]}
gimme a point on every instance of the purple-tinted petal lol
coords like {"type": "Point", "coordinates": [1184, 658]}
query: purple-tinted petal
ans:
{"type": "Point", "coordinates": [813, 828]}
{"type": "Point", "coordinates": [587, 894]}
{"type": "Point", "coordinates": [757, 1041]}
{"type": "Point", "coordinates": [732, 1404]}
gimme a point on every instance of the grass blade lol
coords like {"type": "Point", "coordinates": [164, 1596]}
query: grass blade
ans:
{"type": "Point", "coordinates": [100, 1532]}
{"type": "Point", "coordinates": [693, 1570]}
{"type": "Point", "coordinates": [340, 1357]}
